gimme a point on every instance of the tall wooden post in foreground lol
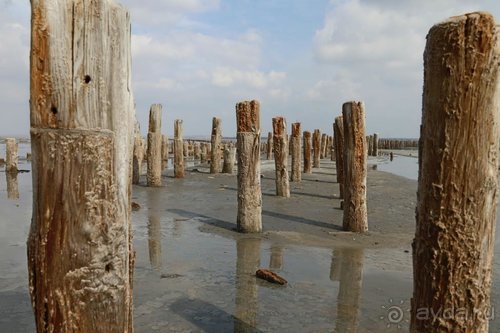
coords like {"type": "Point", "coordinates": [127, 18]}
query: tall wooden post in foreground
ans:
{"type": "Point", "coordinates": [249, 217]}
{"type": "Point", "coordinates": [280, 141]}
{"type": "Point", "coordinates": [307, 152]}
{"type": "Point", "coordinates": [178, 150]}
{"type": "Point", "coordinates": [316, 141]}
{"type": "Point", "coordinates": [154, 146]}
{"type": "Point", "coordinates": [80, 257]}
{"type": "Point", "coordinates": [295, 142]}
{"type": "Point", "coordinates": [355, 168]}
{"type": "Point", "coordinates": [457, 187]}
{"type": "Point", "coordinates": [216, 151]}
{"type": "Point", "coordinates": [339, 153]}
{"type": "Point", "coordinates": [11, 155]}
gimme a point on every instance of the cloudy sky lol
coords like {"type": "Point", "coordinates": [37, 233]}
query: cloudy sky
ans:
{"type": "Point", "coordinates": [300, 58]}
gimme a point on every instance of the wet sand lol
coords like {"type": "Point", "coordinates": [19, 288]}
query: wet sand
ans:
{"type": "Point", "coordinates": [194, 273]}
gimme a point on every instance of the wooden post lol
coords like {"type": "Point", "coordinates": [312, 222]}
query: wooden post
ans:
{"type": "Point", "coordinates": [322, 147]}
{"type": "Point", "coordinates": [11, 155]}
{"type": "Point", "coordinates": [375, 145]}
{"type": "Point", "coordinates": [248, 149]}
{"type": "Point", "coordinates": [80, 256]}
{"type": "Point", "coordinates": [281, 157]}
{"type": "Point", "coordinates": [316, 148]}
{"type": "Point", "coordinates": [229, 159]}
{"type": "Point", "coordinates": [154, 153]}
{"type": "Point", "coordinates": [178, 150]}
{"type": "Point", "coordinates": [216, 142]}
{"type": "Point", "coordinates": [185, 149]}
{"type": "Point", "coordinates": [12, 185]}
{"type": "Point", "coordinates": [369, 141]}
{"type": "Point", "coordinates": [307, 152]}
{"type": "Point", "coordinates": [269, 145]}
{"type": "Point", "coordinates": [457, 186]}
{"type": "Point", "coordinates": [331, 146]}
{"type": "Point", "coordinates": [295, 142]}
{"type": "Point", "coordinates": [138, 154]}
{"type": "Point", "coordinates": [203, 153]}
{"type": "Point", "coordinates": [339, 154]}
{"type": "Point", "coordinates": [164, 151]}
{"type": "Point", "coordinates": [355, 168]}
{"type": "Point", "coordinates": [196, 153]}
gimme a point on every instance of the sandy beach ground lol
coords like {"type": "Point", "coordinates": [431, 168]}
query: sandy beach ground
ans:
{"type": "Point", "coordinates": [194, 273]}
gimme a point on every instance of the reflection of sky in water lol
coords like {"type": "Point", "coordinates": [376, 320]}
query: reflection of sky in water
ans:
{"type": "Point", "coordinates": [401, 166]}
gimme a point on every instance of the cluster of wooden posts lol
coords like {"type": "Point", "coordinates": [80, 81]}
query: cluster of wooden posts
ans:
{"type": "Point", "coordinates": [80, 256]}
{"type": "Point", "coordinates": [397, 144]}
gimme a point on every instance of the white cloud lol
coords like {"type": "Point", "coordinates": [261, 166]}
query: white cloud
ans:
{"type": "Point", "coordinates": [226, 77]}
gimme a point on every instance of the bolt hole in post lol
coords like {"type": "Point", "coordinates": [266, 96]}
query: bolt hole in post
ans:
{"type": "Point", "coordinates": [87, 79]}
{"type": "Point", "coordinates": [53, 110]}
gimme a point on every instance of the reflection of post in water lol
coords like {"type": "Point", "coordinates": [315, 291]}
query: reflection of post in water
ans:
{"type": "Point", "coordinates": [276, 261]}
{"type": "Point", "coordinates": [351, 278]}
{"type": "Point", "coordinates": [12, 186]}
{"type": "Point", "coordinates": [335, 265]}
{"type": "Point", "coordinates": [247, 263]}
{"type": "Point", "coordinates": [154, 229]}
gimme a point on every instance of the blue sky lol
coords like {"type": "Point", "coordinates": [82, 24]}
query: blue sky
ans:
{"type": "Point", "coordinates": [302, 59]}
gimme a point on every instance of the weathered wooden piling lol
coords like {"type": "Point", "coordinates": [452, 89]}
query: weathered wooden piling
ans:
{"type": "Point", "coordinates": [185, 149]}
{"type": "Point", "coordinates": [12, 185]}
{"type": "Point", "coordinates": [178, 150]}
{"type": "Point", "coordinates": [138, 154]}
{"type": "Point", "coordinates": [281, 157]}
{"type": "Point", "coordinates": [80, 256]}
{"type": "Point", "coordinates": [355, 167]}
{"type": "Point", "coordinates": [164, 151]}
{"type": "Point", "coordinates": [369, 141]}
{"type": "Point", "coordinates": [339, 153]}
{"type": "Point", "coordinates": [196, 151]}
{"type": "Point", "coordinates": [154, 152]}
{"type": "Point", "coordinates": [249, 217]}
{"type": "Point", "coordinates": [295, 142]}
{"type": "Point", "coordinates": [229, 160]}
{"type": "Point", "coordinates": [216, 146]}
{"type": "Point", "coordinates": [316, 141]}
{"type": "Point", "coordinates": [203, 153]}
{"type": "Point", "coordinates": [269, 146]}
{"type": "Point", "coordinates": [457, 186]}
{"type": "Point", "coordinates": [322, 147]}
{"type": "Point", "coordinates": [331, 146]}
{"type": "Point", "coordinates": [11, 155]}
{"type": "Point", "coordinates": [307, 152]}
{"type": "Point", "coordinates": [375, 145]}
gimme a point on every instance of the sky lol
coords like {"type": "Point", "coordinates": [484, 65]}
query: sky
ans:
{"type": "Point", "coordinates": [302, 59]}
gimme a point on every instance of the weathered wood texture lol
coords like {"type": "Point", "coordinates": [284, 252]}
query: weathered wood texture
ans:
{"type": "Point", "coordinates": [11, 155]}
{"type": "Point", "coordinates": [375, 145]}
{"type": "Point", "coordinates": [339, 153]}
{"type": "Point", "coordinates": [229, 160]}
{"type": "Point", "coordinates": [369, 141]}
{"type": "Point", "coordinates": [295, 142]}
{"type": "Point", "coordinates": [164, 151]}
{"type": "Point", "coordinates": [154, 153]}
{"type": "Point", "coordinates": [80, 257]}
{"type": "Point", "coordinates": [196, 151]}
{"type": "Point", "coordinates": [281, 157]}
{"type": "Point", "coordinates": [457, 187]}
{"type": "Point", "coordinates": [249, 217]}
{"type": "Point", "coordinates": [12, 185]}
{"type": "Point", "coordinates": [307, 152]}
{"type": "Point", "coordinates": [216, 138]}
{"type": "Point", "coordinates": [138, 154]}
{"type": "Point", "coordinates": [178, 150]}
{"type": "Point", "coordinates": [322, 152]}
{"type": "Point", "coordinates": [316, 141]}
{"type": "Point", "coordinates": [355, 167]}
{"type": "Point", "coordinates": [269, 146]}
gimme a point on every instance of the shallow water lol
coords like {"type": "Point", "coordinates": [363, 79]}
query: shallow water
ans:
{"type": "Point", "coordinates": [401, 165]}
{"type": "Point", "coordinates": [187, 280]}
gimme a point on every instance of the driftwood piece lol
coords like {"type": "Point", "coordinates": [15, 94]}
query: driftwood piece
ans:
{"type": "Point", "coordinates": [270, 276]}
